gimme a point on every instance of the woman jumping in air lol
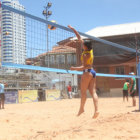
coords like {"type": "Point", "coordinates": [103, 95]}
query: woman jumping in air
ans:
{"type": "Point", "coordinates": [88, 79]}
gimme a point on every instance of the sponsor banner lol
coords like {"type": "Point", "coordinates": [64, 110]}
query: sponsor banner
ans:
{"type": "Point", "coordinates": [11, 97]}
{"type": "Point", "coordinates": [27, 96]}
{"type": "Point", "coordinates": [52, 95]}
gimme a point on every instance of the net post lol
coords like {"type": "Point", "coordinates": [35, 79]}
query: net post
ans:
{"type": "Point", "coordinates": [139, 83]}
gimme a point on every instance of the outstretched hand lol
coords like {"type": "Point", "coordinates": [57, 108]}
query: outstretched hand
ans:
{"type": "Point", "coordinates": [70, 26]}
{"type": "Point", "coordinates": [76, 33]}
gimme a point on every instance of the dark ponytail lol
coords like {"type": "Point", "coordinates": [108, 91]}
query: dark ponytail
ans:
{"type": "Point", "coordinates": [88, 44]}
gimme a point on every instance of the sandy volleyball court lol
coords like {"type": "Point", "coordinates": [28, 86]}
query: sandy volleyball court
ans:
{"type": "Point", "coordinates": [56, 120]}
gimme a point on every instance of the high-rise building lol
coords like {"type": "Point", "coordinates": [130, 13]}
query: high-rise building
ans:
{"type": "Point", "coordinates": [13, 34]}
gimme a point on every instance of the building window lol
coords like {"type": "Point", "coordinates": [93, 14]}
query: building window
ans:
{"type": "Point", "coordinates": [60, 59]}
{"type": "Point", "coordinates": [6, 2]}
{"type": "Point", "coordinates": [119, 70]}
{"type": "Point", "coordinates": [103, 70]}
{"type": "Point", "coordinates": [6, 12]}
{"type": "Point", "coordinates": [52, 60]}
{"type": "Point", "coordinates": [46, 59]}
{"type": "Point", "coordinates": [6, 23]}
{"type": "Point", "coordinates": [71, 59]}
{"type": "Point", "coordinates": [7, 56]}
{"type": "Point", "coordinates": [6, 18]}
{"type": "Point", "coordinates": [7, 37]}
{"type": "Point", "coordinates": [7, 27]}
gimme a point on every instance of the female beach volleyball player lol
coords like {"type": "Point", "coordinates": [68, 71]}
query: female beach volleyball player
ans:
{"type": "Point", "coordinates": [88, 79]}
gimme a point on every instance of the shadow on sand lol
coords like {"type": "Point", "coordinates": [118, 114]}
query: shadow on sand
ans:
{"type": "Point", "coordinates": [136, 111]}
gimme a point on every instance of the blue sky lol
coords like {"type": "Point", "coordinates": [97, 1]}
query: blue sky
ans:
{"type": "Point", "coordinates": [87, 14]}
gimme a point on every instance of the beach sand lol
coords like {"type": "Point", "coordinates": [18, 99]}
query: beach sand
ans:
{"type": "Point", "coordinates": [57, 120]}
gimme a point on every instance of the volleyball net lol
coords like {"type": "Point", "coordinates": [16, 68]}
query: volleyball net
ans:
{"type": "Point", "coordinates": [37, 52]}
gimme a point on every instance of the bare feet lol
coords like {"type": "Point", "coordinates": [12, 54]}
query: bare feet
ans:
{"type": "Point", "coordinates": [80, 112]}
{"type": "Point", "coordinates": [96, 114]}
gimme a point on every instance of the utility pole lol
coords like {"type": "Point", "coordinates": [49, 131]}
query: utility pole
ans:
{"type": "Point", "coordinates": [47, 14]}
{"type": "Point", "coordinates": [136, 54]}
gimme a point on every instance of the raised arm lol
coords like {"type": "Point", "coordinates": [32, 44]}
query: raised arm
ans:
{"type": "Point", "coordinates": [76, 33]}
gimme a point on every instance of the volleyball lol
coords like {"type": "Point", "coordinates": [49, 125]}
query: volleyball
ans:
{"type": "Point", "coordinates": [52, 27]}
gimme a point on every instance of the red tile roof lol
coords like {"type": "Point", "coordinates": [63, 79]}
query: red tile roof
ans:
{"type": "Point", "coordinates": [59, 49]}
